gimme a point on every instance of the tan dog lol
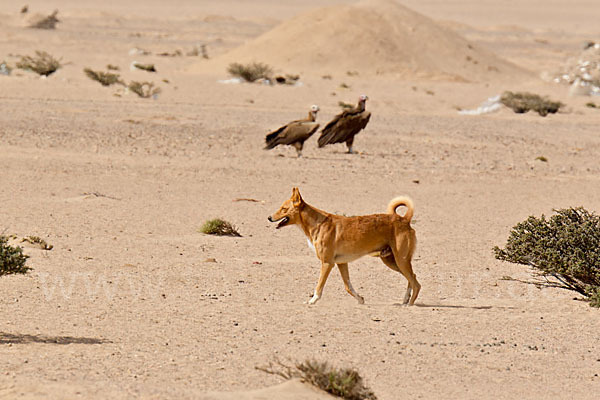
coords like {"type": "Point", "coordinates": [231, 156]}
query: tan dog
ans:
{"type": "Point", "coordinates": [340, 240]}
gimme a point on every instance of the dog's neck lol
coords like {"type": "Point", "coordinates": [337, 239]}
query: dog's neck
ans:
{"type": "Point", "coordinates": [310, 219]}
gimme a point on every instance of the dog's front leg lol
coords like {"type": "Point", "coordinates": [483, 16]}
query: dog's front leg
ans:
{"type": "Point", "coordinates": [325, 270]}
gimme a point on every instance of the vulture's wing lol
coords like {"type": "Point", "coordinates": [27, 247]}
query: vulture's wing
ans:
{"type": "Point", "coordinates": [343, 127]}
{"type": "Point", "coordinates": [297, 131]}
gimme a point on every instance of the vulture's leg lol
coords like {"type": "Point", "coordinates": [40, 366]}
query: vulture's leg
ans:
{"type": "Point", "coordinates": [298, 146]}
{"type": "Point", "coordinates": [349, 144]}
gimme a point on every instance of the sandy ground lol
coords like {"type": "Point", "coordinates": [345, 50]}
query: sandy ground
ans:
{"type": "Point", "coordinates": [126, 304]}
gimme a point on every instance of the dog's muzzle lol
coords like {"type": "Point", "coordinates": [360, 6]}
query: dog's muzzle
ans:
{"type": "Point", "coordinates": [282, 222]}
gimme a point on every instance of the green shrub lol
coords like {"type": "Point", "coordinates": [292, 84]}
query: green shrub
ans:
{"type": "Point", "coordinates": [345, 383]}
{"type": "Point", "coordinates": [42, 64]}
{"type": "Point", "coordinates": [12, 259]}
{"type": "Point", "coordinates": [565, 247]}
{"type": "Point", "coordinates": [219, 227]}
{"type": "Point", "coordinates": [521, 102]}
{"type": "Point", "coordinates": [250, 72]}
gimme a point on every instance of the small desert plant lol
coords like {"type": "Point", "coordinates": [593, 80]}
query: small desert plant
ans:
{"type": "Point", "coordinates": [345, 383]}
{"type": "Point", "coordinates": [105, 78]}
{"type": "Point", "coordinates": [565, 247]}
{"type": "Point", "coordinates": [112, 67]}
{"type": "Point", "coordinates": [144, 67]}
{"type": "Point", "coordinates": [37, 241]}
{"type": "Point", "coordinates": [219, 227]}
{"type": "Point", "coordinates": [591, 105]}
{"type": "Point", "coordinates": [345, 106]}
{"type": "Point", "coordinates": [521, 102]}
{"type": "Point", "coordinates": [48, 22]}
{"type": "Point", "coordinates": [12, 259]}
{"type": "Point", "coordinates": [42, 64]}
{"type": "Point", "coordinates": [143, 89]}
{"type": "Point", "coordinates": [250, 72]}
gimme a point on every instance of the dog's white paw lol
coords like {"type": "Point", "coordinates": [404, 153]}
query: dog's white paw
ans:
{"type": "Point", "coordinates": [361, 300]}
{"type": "Point", "coordinates": [314, 299]}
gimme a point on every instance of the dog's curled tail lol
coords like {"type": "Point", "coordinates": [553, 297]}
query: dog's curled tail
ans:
{"type": "Point", "coordinates": [402, 201]}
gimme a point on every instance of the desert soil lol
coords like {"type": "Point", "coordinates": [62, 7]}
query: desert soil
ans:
{"type": "Point", "coordinates": [134, 302]}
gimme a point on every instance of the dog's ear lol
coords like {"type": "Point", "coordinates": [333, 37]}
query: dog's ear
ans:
{"type": "Point", "coordinates": [296, 198]}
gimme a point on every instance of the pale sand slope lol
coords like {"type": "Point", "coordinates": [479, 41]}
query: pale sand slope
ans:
{"type": "Point", "coordinates": [125, 305]}
{"type": "Point", "coordinates": [371, 37]}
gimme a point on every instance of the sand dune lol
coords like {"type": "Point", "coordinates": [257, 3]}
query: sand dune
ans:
{"type": "Point", "coordinates": [372, 37]}
{"type": "Point", "coordinates": [290, 390]}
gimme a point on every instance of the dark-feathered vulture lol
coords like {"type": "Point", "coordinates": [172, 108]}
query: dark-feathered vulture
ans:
{"type": "Point", "coordinates": [295, 133]}
{"type": "Point", "coordinates": [345, 125]}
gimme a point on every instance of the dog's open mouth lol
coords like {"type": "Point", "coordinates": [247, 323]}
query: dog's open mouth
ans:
{"type": "Point", "coordinates": [282, 222]}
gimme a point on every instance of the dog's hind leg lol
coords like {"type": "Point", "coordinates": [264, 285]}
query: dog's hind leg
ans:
{"type": "Point", "coordinates": [414, 285]}
{"type": "Point", "coordinates": [346, 278]}
{"type": "Point", "coordinates": [325, 270]}
{"type": "Point", "coordinates": [391, 263]}
{"type": "Point", "coordinates": [403, 251]}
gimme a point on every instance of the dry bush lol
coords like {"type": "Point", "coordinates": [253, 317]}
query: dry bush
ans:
{"type": "Point", "coordinates": [12, 259]}
{"type": "Point", "coordinates": [48, 22]}
{"type": "Point", "coordinates": [219, 227]}
{"type": "Point", "coordinates": [105, 78]}
{"type": "Point", "coordinates": [143, 89]}
{"type": "Point", "coordinates": [250, 72]}
{"type": "Point", "coordinates": [112, 67]}
{"type": "Point", "coordinates": [522, 102]}
{"type": "Point", "coordinates": [345, 383]}
{"type": "Point", "coordinates": [563, 250]}
{"type": "Point", "coordinates": [42, 64]}
{"type": "Point", "coordinates": [145, 67]}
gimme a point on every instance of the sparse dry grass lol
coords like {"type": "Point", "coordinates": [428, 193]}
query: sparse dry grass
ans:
{"type": "Point", "coordinates": [219, 227]}
{"type": "Point", "coordinates": [105, 78]}
{"type": "Point", "coordinates": [522, 102]}
{"type": "Point", "coordinates": [345, 106]}
{"type": "Point", "coordinates": [42, 64]}
{"type": "Point", "coordinates": [345, 383]}
{"type": "Point", "coordinates": [250, 72]}
{"type": "Point", "coordinates": [143, 89]}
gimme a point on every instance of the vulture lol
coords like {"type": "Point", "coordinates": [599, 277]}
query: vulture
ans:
{"type": "Point", "coordinates": [344, 126]}
{"type": "Point", "coordinates": [295, 133]}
